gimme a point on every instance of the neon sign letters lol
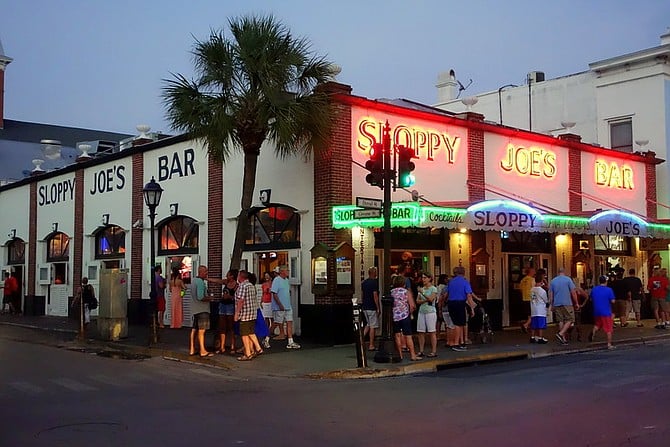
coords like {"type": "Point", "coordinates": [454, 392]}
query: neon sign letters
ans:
{"type": "Point", "coordinates": [531, 161]}
{"type": "Point", "coordinates": [611, 175]}
{"type": "Point", "coordinates": [422, 140]}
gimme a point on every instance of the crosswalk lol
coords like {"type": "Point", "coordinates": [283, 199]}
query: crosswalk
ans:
{"type": "Point", "coordinates": [90, 383]}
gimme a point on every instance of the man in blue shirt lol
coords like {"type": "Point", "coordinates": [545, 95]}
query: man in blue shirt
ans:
{"type": "Point", "coordinates": [603, 298]}
{"type": "Point", "coordinates": [458, 294]}
{"type": "Point", "coordinates": [562, 295]}
{"type": "Point", "coordinates": [370, 305]}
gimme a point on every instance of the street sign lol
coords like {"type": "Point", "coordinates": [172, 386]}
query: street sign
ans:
{"type": "Point", "coordinates": [373, 204]}
{"type": "Point", "coordinates": [367, 214]}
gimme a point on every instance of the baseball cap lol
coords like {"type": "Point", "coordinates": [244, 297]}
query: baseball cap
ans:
{"type": "Point", "coordinates": [602, 278]}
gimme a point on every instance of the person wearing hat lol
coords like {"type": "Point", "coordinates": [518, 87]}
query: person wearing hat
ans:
{"type": "Point", "coordinates": [603, 298]}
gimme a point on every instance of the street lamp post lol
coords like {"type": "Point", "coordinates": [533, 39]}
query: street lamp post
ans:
{"type": "Point", "coordinates": [152, 198]}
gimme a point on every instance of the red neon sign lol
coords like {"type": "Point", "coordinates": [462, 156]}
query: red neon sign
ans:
{"type": "Point", "coordinates": [531, 161]}
{"type": "Point", "coordinates": [611, 175]}
{"type": "Point", "coordinates": [422, 140]}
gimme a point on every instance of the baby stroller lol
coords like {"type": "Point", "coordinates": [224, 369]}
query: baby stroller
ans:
{"type": "Point", "coordinates": [479, 326]}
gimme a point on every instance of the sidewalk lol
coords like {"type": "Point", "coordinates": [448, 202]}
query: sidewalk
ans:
{"type": "Point", "coordinates": [318, 361]}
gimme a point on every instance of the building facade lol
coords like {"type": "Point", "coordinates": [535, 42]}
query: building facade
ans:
{"type": "Point", "coordinates": [493, 199]}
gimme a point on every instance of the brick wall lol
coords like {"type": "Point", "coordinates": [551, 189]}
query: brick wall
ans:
{"type": "Point", "coordinates": [574, 180]}
{"type": "Point", "coordinates": [332, 183]}
{"type": "Point", "coordinates": [215, 219]}
{"type": "Point", "coordinates": [476, 175]}
{"type": "Point", "coordinates": [32, 239]}
{"type": "Point", "coordinates": [77, 249]}
{"type": "Point", "coordinates": [650, 177]}
{"type": "Point", "coordinates": [138, 212]}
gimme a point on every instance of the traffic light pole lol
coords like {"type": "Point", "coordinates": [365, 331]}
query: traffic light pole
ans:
{"type": "Point", "coordinates": [386, 352]}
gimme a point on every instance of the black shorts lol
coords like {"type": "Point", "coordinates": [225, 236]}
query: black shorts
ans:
{"type": "Point", "coordinates": [201, 321]}
{"type": "Point", "coordinates": [457, 312]}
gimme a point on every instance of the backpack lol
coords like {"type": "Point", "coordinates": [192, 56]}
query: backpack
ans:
{"type": "Point", "coordinates": [89, 299]}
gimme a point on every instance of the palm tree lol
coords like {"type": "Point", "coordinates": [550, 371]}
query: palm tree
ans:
{"type": "Point", "coordinates": [260, 83]}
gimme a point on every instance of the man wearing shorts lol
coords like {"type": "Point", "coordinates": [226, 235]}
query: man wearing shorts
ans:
{"type": "Point", "coordinates": [603, 298]}
{"type": "Point", "coordinates": [458, 296]}
{"type": "Point", "coordinates": [246, 306]}
{"type": "Point", "coordinates": [370, 305]}
{"type": "Point", "coordinates": [281, 302]}
{"type": "Point", "coordinates": [200, 309]}
{"type": "Point", "coordinates": [634, 287]}
{"type": "Point", "coordinates": [658, 289]}
{"type": "Point", "coordinates": [563, 299]}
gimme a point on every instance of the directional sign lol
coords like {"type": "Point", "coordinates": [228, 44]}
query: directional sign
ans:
{"type": "Point", "coordinates": [366, 214]}
{"type": "Point", "coordinates": [364, 202]}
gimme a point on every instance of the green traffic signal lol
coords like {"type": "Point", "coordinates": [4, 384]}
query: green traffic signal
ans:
{"type": "Point", "coordinates": [405, 166]}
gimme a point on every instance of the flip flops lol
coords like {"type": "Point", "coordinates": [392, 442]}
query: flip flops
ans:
{"type": "Point", "coordinates": [209, 354]}
{"type": "Point", "coordinates": [245, 358]}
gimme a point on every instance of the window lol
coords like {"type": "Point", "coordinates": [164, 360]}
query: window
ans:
{"type": "Point", "coordinates": [58, 247]}
{"type": "Point", "coordinates": [275, 226]}
{"type": "Point", "coordinates": [16, 250]}
{"type": "Point", "coordinates": [110, 242]}
{"type": "Point", "coordinates": [178, 235]}
{"type": "Point", "coordinates": [621, 135]}
{"type": "Point", "coordinates": [611, 244]}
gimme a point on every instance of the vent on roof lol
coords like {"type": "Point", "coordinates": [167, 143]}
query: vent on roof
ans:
{"type": "Point", "coordinates": [99, 148]}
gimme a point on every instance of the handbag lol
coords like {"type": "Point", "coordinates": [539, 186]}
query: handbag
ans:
{"type": "Point", "coordinates": [261, 328]}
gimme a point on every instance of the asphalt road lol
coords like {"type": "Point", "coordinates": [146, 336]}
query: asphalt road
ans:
{"type": "Point", "coordinates": [55, 397]}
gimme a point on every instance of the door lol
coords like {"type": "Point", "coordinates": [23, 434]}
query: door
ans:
{"type": "Point", "coordinates": [517, 266]}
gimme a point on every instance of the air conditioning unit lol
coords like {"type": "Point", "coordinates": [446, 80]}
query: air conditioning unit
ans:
{"type": "Point", "coordinates": [100, 147]}
{"type": "Point", "coordinates": [535, 76]}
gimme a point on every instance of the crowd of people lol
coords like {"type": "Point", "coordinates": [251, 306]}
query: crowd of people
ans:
{"type": "Point", "coordinates": [450, 302]}
{"type": "Point", "coordinates": [254, 316]}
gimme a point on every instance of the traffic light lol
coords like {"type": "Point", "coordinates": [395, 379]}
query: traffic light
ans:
{"type": "Point", "coordinates": [376, 166]}
{"type": "Point", "coordinates": [405, 167]}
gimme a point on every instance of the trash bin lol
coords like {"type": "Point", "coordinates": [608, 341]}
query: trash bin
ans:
{"type": "Point", "coordinates": [113, 305]}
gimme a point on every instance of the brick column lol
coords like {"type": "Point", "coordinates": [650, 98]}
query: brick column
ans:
{"type": "Point", "coordinates": [574, 173]}
{"type": "Point", "coordinates": [78, 245]}
{"type": "Point", "coordinates": [476, 171]}
{"type": "Point", "coordinates": [32, 239]}
{"type": "Point", "coordinates": [215, 218]}
{"type": "Point", "coordinates": [650, 177]}
{"type": "Point", "coordinates": [138, 211]}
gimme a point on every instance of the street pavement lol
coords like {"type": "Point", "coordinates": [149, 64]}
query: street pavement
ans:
{"type": "Point", "coordinates": [319, 361]}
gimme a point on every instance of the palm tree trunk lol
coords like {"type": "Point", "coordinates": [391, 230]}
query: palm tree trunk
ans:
{"type": "Point", "coordinates": [248, 186]}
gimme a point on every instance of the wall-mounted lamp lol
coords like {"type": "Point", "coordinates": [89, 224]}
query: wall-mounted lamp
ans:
{"type": "Point", "coordinates": [105, 219]}
{"type": "Point", "coordinates": [264, 196]}
{"type": "Point", "coordinates": [174, 209]}
{"type": "Point", "coordinates": [12, 233]}
{"type": "Point", "coordinates": [54, 227]}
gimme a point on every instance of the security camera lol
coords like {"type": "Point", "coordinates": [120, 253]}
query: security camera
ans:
{"type": "Point", "coordinates": [138, 223]}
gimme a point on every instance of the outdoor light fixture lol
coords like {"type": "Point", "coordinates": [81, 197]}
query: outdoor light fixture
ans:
{"type": "Point", "coordinates": [152, 198]}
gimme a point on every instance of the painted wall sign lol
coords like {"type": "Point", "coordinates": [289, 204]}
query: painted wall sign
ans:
{"type": "Point", "coordinates": [503, 215]}
{"type": "Point", "coordinates": [613, 222]}
{"type": "Point", "coordinates": [176, 165]}
{"type": "Point", "coordinates": [424, 141]}
{"type": "Point", "coordinates": [55, 193]}
{"type": "Point", "coordinates": [614, 175]}
{"type": "Point", "coordinates": [107, 180]}
{"type": "Point", "coordinates": [442, 217]}
{"type": "Point", "coordinates": [529, 161]}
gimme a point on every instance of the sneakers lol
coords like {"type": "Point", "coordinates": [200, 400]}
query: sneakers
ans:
{"type": "Point", "coordinates": [266, 343]}
{"type": "Point", "coordinates": [459, 348]}
{"type": "Point", "coordinates": [533, 340]}
{"type": "Point", "coordinates": [293, 345]}
{"type": "Point", "coordinates": [660, 326]}
{"type": "Point", "coordinates": [561, 339]}
{"type": "Point", "coordinates": [541, 341]}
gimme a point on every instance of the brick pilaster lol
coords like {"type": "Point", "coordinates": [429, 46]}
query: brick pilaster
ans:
{"type": "Point", "coordinates": [476, 171]}
{"type": "Point", "coordinates": [78, 245]}
{"type": "Point", "coordinates": [137, 242]}
{"type": "Point", "coordinates": [574, 180]}
{"type": "Point", "coordinates": [650, 178]}
{"type": "Point", "coordinates": [32, 239]}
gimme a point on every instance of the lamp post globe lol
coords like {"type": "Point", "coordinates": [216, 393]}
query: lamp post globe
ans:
{"type": "Point", "coordinates": [152, 192]}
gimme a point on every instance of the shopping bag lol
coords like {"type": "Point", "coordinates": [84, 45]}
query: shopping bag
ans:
{"type": "Point", "coordinates": [261, 329]}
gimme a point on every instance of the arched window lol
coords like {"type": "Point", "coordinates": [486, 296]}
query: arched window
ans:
{"type": "Point", "coordinates": [110, 242]}
{"type": "Point", "coordinates": [16, 251]}
{"type": "Point", "coordinates": [274, 227]}
{"type": "Point", "coordinates": [58, 247]}
{"type": "Point", "coordinates": [178, 235]}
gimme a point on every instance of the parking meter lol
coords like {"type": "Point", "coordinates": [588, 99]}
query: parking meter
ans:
{"type": "Point", "coordinates": [361, 356]}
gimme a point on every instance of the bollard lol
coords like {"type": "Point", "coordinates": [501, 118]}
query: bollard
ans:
{"type": "Point", "coordinates": [386, 350]}
{"type": "Point", "coordinates": [361, 356]}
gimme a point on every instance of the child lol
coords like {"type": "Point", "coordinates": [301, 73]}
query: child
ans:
{"type": "Point", "coordinates": [538, 311]}
{"type": "Point", "coordinates": [603, 298]}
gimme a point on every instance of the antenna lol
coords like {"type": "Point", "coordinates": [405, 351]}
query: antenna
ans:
{"type": "Point", "coordinates": [462, 87]}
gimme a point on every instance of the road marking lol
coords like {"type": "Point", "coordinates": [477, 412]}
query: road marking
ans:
{"type": "Point", "coordinates": [71, 384]}
{"type": "Point", "coordinates": [26, 387]}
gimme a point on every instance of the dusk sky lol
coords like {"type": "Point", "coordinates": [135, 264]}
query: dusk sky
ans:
{"type": "Point", "coordinates": [101, 64]}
